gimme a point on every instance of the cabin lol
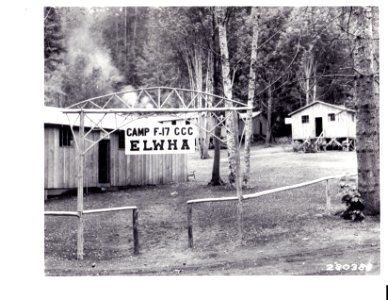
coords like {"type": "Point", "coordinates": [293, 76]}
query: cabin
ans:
{"type": "Point", "coordinates": [325, 123]}
{"type": "Point", "coordinates": [106, 164]}
{"type": "Point", "coordinates": [259, 125]}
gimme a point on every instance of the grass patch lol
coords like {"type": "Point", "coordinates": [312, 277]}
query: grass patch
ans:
{"type": "Point", "coordinates": [277, 228]}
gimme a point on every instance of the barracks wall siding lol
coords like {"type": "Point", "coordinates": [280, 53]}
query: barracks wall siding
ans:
{"type": "Point", "coordinates": [61, 164]}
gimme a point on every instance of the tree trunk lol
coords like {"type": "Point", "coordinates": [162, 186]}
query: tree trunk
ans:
{"type": "Point", "coordinates": [269, 120]}
{"type": "Point", "coordinates": [117, 38]}
{"type": "Point", "coordinates": [216, 178]}
{"type": "Point", "coordinates": [194, 63]}
{"type": "Point", "coordinates": [309, 83]}
{"type": "Point", "coordinates": [227, 85]}
{"type": "Point", "coordinates": [251, 94]}
{"type": "Point", "coordinates": [132, 54]}
{"type": "Point", "coordinates": [314, 89]}
{"type": "Point", "coordinates": [203, 148]}
{"type": "Point", "coordinates": [307, 89]}
{"type": "Point", "coordinates": [206, 154]}
{"type": "Point", "coordinates": [208, 89]}
{"type": "Point", "coordinates": [231, 120]}
{"type": "Point", "coordinates": [126, 41]}
{"type": "Point", "coordinates": [197, 63]}
{"type": "Point", "coordinates": [368, 147]}
{"type": "Point", "coordinates": [134, 30]}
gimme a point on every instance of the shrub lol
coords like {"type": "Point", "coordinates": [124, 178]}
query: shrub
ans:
{"type": "Point", "coordinates": [283, 140]}
{"type": "Point", "coordinates": [296, 146]}
{"type": "Point", "coordinates": [352, 199]}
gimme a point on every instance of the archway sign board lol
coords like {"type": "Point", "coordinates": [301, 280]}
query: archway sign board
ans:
{"type": "Point", "coordinates": [120, 111]}
{"type": "Point", "coordinates": [152, 137]}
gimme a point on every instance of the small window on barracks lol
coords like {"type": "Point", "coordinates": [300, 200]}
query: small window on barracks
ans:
{"type": "Point", "coordinates": [173, 122]}
{"type": "Point", "coordinates": [121, 139]}
{"type": "Point", "coordinates": [305, 119]}
{"type": "Point", "coordinates": [65, 136]}
{"type": "Point", "coordinates": [331, 117]}
{"type": "Point", "coordinates": [187, 122]}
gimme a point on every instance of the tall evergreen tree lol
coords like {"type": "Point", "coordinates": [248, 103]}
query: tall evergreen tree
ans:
{"type": "Point", "coordinates": [368, 123]}
{"type": "Point", "coordinates": [53, 39]}
{"type": "Point", "coordinates": [54, 51]}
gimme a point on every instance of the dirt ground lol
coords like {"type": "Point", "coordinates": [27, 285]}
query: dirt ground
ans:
{"type": "Point", "coordinates": [288, 233]}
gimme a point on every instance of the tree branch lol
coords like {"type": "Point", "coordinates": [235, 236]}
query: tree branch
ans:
{"type": "Point", "coordinates": [48, 12]}
{"type": "Point", "coordinates": [290, 64]}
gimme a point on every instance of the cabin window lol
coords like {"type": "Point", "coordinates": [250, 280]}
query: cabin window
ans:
{"type": "Point", "coordinates": [65, 137]}
{"type": "Point", "coordinates": [331, 117]}
{"type": "Point", "coordinates": [352, 117]}
{"type": "Point", "coordinates": [305, 119]}
{"type": "Point", "coordinates": [173, 122]}
{"type": "Point", "coordinates": [121, 139]}
{"type": "Point", "coordinates": [187, 122]}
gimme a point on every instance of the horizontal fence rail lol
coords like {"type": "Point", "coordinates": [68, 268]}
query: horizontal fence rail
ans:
{"type": "Point", "coordinates": [291, 187]}
{"type": "Point", "coordinates": [110, 209]}
{"type": "Point", "coordinates": [62, 213]}
{"type": "Point", "coordinates": [190, 203]}
{"type": "Point", "coordinates": [135, 217]}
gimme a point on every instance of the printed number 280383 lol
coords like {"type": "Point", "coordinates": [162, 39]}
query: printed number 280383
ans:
{"type": "Point", "coordinates": [349, 267]}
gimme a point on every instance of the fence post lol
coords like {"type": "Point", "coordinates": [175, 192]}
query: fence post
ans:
{"type": "Point", "coordinates": [190, 224]}
{"type": "Point", "coordinates": [328, 200]}
{"type": "Point", "coordinates": [135, 231]}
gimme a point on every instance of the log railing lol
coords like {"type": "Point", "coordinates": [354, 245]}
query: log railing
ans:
{"type": "Point", "coordinates": [135, 218]}
{"type": "Point", "coordinates": [191, 203]}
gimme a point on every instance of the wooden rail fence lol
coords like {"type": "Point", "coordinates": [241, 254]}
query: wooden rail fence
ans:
{"type": "Point", "coordinates": [190, 203]}
{"type": "Point", "coordinates": [135, 217]}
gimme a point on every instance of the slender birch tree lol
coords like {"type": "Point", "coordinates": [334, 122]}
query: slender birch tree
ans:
{"type": "Point", "coordinates": [231, 121]}
{"type": "Point", "coordinates": [227, 85]}
{"type": "Point", "coordinates": [251, 92]}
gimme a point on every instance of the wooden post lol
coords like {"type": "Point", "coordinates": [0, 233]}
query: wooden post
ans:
{"type": "Point", "coordinates": [190, 224]}
{"type": "Point", "coordinates": [238, 178]}
{"type": "Point", "coordinates": [80, 191]}
{"type": "Point", "coordinates": [328, 200]}
{"type": "Point", "coordinates": [135, 232]}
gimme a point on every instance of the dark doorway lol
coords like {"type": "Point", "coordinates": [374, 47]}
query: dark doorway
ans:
{"type": "Point", "coordinates": [318, 126]}
{"type": "Point", "coordinates": [104, 161]}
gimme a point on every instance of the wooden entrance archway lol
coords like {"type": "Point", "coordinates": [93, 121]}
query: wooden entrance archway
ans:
{"type": "Point", "coordinates": [122, 108]}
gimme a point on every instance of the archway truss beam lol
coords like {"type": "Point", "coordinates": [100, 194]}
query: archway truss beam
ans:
{"type": "Point", "coordinates": [160, 97]}
{"type": "Point", "coordinates": [152, 110]}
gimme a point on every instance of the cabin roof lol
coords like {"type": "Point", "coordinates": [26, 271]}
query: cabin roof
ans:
{"type": "Point", "coordinates": [55, 116]}
{"type": "Point", "coordinates": [340, 107]}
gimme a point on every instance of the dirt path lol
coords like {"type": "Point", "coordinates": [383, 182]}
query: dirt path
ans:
{"type": "Point", "coordinates": [308, 262]}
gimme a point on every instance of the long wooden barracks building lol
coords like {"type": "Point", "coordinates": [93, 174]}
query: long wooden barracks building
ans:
{"type": "Point", "coordinates": [106, 164]}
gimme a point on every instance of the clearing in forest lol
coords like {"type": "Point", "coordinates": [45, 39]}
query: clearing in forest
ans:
{"type": "Point", "coordinates": [285, 233]}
